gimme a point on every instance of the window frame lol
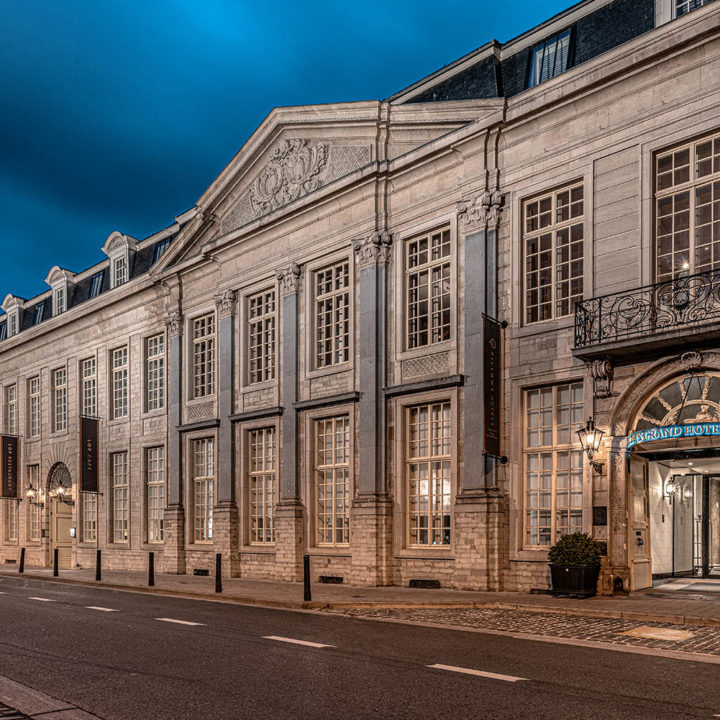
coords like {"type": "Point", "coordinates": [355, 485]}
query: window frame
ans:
{"type": "Point", "coordinates": [155, 513]}
{"type": "Point", "coordinates": [688, 3]}
{"type": "Point", "coordinates": [200, 381]}
{"type": "Point", "coordinates": [250, 474]}
{"type": "Point", "coordinates": [88, 387]}
{"type": "Point", "coordinates": [119, 393]}
{"type": "Point", "coordinates": [317, 300]}
{"type": "Point", "coordinates": [89, 521]}
{"type": "Point", "coordinates": [155, 363]}
{"type": "Point", "coordinates": [570, 58]}
{"type": "Point", "coordinates": [554, 449]}
{"type": "Point", "coordinates": [34, 407]}
{"type": "Point", "coordinates": [192, 490]}
{"type": "Point", "coordinates": [34, 515]}
{"type": "Point", "coordinates": [11, 521]}
{"type": "Point", "coordinates": [119, 490]}
{"type": "Point", "coordinates": [59, 299]}
{"type": "Point", "coordinates": [268, 358]}
{"type": "Point", "coordinates": [59, 400]}
{"type": "Point", "coordinates": [11, 408]}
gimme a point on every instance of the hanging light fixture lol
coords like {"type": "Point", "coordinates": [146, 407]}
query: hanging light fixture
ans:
{"type": "Point", "coordinates": [590, 438]}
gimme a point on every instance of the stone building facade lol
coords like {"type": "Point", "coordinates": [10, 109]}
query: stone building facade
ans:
{"type": "Point", "coordinates": [295, 365]}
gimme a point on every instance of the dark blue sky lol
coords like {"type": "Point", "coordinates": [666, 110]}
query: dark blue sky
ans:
{"type": "Point", "coordinates": [118, 115]}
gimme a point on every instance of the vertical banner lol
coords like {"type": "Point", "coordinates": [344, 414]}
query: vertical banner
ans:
{"type": "Point", "coordinates": [10, 464]}
{"type": "Point", "coordinates": [89, 454]}
{"type": "Point", "coordinates": [491, 386]}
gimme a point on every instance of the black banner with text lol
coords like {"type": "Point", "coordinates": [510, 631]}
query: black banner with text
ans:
{"type": "Point", "coordinates": [89, 453]}
{"type": "Point", "coordinates": [10, 465]}
{"type": "Point", "coordinates": [491, 386]}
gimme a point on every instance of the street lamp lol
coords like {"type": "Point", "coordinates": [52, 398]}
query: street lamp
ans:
{"type": "Point", "coordinates": [590, 438]}
{"type": "Point", "coordinates": [60, 495]}
{"type": "Point", "coordinates": [34, 496]}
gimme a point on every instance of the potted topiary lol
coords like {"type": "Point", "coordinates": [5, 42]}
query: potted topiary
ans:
{"type": "Point", "coordinates": [575, 565]}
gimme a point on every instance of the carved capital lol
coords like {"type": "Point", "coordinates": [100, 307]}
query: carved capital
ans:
{"type": "Point", "coordinates": [374, 249]}
{"type": "Point", "coordinates": [289, 279]}
{"type": "Point", "coordinates": [482, 210]}
{"type": "Point", "coordinates": [173, 323]}
{"type": "Point", "coordinates": [602, 375]}
{"type": "Point", "coordinates": [225, 302]}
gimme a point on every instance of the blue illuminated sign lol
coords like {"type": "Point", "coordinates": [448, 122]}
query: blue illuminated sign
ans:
{"type": "Point", "coordinates": [673, 432]}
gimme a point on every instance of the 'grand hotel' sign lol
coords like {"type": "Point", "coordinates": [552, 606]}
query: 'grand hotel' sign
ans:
{"type": "Point", "coordinates": [673, 432]}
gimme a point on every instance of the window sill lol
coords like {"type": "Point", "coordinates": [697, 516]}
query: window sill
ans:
{"type": "Point", "coordinates": [263, 385]}
{"type": "Point", "coordinates": [432, 349]}
{"type": "Point", "coordinates": [330, 369]}
{"type": "Point", "coordinates": [160, 412]}
{"type": "Point", "coordinates": [119, 421]}
{"type": "Point", "coordinates": [259, 549]}
{"type": "Point", "coordinates": [546, 326]}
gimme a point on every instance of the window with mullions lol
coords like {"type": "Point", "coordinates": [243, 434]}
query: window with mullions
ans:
{"type": "Point", "coordinates": [120, 270]}
{"type": "Point", "coordinates": [261, 336]}
{"type": "Point", "coordinates": [88, 375]}
{"type": "Point", "coordinates": [120, 506]}
{"type": "Point", "coordinates": [332, 315]}
{"type": "Point", "coordinates": [119, 379]}
{"type": "Point", "coordinates": [155, 372]}
{"type": "Point", "coordinates": [687, 209]}
{"type": "Point", "coordinates": [89, 515]}
{"type": "Point", "coordinates": [683, 7]}
{"type": "Point", "coordinates": [11, 520]}
{"type": "Point", "coordinates": [427, 269]}
{"type": "Point", "coordinates": [428, 474]}
{"type": "Point", "coordinates": [332, 480]}
{"type": "Point", "coordinates": [263, 485]}
{"type": "Point", "coordinates": [3, 331]}
{"type": "Point", "coordinates": [204, 356]}
{"type": "Point", "coordinates": [553, 238]}
{"type": "Point", "coordinates": [553, 462]}
{"type": "Point", "coordinates": [59, 304]}
{"type": "Point", "coordinates": [59, 399]}
{"type": "Point", "coordinates": [34, 406]}
{"type": "Point", "coordinates": [549, 59]}
{"type": "Point", "coordinates": [34, 510]}
{"type": "Point", "coordinates": [155, 493]}
{"type": "Point", "coordinates": [11, 409]}
{"type": "Point", "coordinates": [203, 488]}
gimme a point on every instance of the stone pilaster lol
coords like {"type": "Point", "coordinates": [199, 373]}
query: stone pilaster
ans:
{"type": "Point", "coordinates": [289, 535]}
{"type": "Point", "coordinates": [174, 551]}
{"type": "Point", "coordinates": [371, 542]}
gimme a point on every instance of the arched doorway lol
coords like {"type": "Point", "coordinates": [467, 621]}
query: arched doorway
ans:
{"type": "Point", "coordinates": [674, 483]}
{"type": "Point", "coordinates": [60, 507]}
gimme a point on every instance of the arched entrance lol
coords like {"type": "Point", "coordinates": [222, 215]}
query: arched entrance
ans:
{"type": "Point", "coordinates": [674, 481]}
{"type": "Point", "coordinates": [60, 506]}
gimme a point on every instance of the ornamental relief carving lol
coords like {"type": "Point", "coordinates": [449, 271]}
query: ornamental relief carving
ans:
{"type": "Point", "coordinates": [294, 168]}
{"type": "Point", "coordinates": [225, 302]}
{"type": "Point", "coordinates": [483, 209]}
{"type": "Point", "coordinates": [289, 279]}
{"type": "Point", "coordinates": [374, 249]}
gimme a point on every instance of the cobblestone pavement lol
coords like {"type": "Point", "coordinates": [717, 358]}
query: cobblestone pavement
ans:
{"type": "Point", "coordinates": [661, 636]}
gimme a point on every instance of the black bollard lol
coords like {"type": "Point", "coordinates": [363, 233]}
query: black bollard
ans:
{"type": "Point", "coordinates": [98, 566]}
{"type": "Point", "coordinates": [151, 569]}
{"type": "Point", "coordinates": [307, 594]}
{"type": "Point", "coordinates": [218, 572]}
{"type": "Point", "coordinates": [55, 563]}
{"type": "Point", "coordinates": [22, 561]}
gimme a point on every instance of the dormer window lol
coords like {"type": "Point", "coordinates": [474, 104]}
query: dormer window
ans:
{"type": "Point", "coordinates": [683, 7]}
{"type": "Point", "coordinates": [3, 331]}
{"type": "Point", "coordinates": [96, 284]}
{"type": "Point", "coordinates": [119, 274]}
{"type": "Point", "coordinates": [59, 302]}
{"type": "Point", "coordinates": [120, 250]}
{"type": "Point", "coordinates": [12, 323]}
{"type": "Point", "coordinates": [38, 314]}
{"type": "Point", "coordinates": [160, 249]}
{"type": "Point", "coordinates": [549, 59]}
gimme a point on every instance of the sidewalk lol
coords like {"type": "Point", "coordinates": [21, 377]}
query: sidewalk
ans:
{"type": "Point", "coordinates": [679, 609]}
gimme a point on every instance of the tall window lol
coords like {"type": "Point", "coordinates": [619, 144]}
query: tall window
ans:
{"type": "Point", "coordinates": [60, 399]}
{"type": "Point", "coordinates": [38, 312]}
{"type": "Point", "coordinates": [549, 59]}
{"type": "Point", "coordinates": [263, 485]}
{"type": "Point", "coordinates": [332, 480]}
{"type": "Point", "coordinates": [120, 271]}
{"type": "Point", "coordinates": [88, 375]}
{"type": "Point", "coordinates": [34, 406]}
{"type": "Point", "coordinates": [203, 488]}
{"type": "Point", "coordinates": [11, 520]}
{"type": "Point", "coordinates": [96, 284]}
{"type": "Point", "coordinates": [120, 509]}
{"type": "Point", "coordinates": [34, 511]}
{"type": "Point", "coordinates": [332, 315]}
{"type": "Point", "coordinates": [204, 356]}
{"type": "Point", "coordinates": [12, 323]}
{"type": "Point", "coordinates": [428, 473]}
{"type": "Point", "coordinates": [553, 235]}
{"type": "Point", "coordinates": [261, 336]}
{"type": "Point", "coordinates": [119, 360]}
{"type": "Point", "coordinates": [687, 209]}
{"type": "Point", "coordinates": [89, 517]}
{"type": "Point", "coordinates": [553, 463]}
{"type": "Point", "coordinates": [155, 477]}
{"type": "Point", "coordinates": [155, 372]}
{"type": "Point", "coordinates": [59, 300]}
{"type": "Point", "coordinates": [683, 7]}
{"type": "Point", "coordinates": [11, 409]}
{"type": "Point", "coordinates": [427, 267]}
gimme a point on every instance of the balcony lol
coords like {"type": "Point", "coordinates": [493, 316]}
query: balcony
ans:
{"type": "Point", "coordinates": [660, 316]}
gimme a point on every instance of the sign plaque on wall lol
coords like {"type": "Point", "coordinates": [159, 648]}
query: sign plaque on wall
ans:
{"type": "Point", "coordinates": [89, 454]}
{"type": "Point", "coordinates": [491, 386]}
{"type": "Point", "coordinates": [10, 464]}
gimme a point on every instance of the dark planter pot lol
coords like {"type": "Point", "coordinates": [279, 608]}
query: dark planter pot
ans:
{"type": "Point", "coordinates": [580, 580]}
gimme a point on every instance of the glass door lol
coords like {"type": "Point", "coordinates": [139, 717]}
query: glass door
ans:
{"type": "Point", "coordinates": [684, 548]}
{"type": "Point", "coordinates": [712, 526]}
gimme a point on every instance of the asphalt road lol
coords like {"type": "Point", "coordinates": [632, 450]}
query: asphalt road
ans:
{"type": "Point", "coordinates": [124, 656]}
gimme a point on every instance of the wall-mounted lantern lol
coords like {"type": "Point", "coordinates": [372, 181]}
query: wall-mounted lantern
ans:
{"type": "Point", "coordinates": [590, 438]}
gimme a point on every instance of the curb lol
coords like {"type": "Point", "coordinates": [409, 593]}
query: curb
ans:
{"type": "Point", "coordinates": [637, 616]}
{"type": "Point", "coordinates": [35, 704]}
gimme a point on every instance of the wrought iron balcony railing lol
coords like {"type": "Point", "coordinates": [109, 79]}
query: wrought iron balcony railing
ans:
{"type": "Point", "coordinates": [648, 311]}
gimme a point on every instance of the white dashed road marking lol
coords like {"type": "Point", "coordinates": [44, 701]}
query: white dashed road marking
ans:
{"type": "Point", "coordinates": [178, 622]}
{"type": "Point", "coordinates": [102, 609]}
{"type": "Point", "coordinates": [295, 642]}
{"type": "Point", "coordinates": [480, 673]}
{"type": "Point", "coordinates": [41, 599]}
